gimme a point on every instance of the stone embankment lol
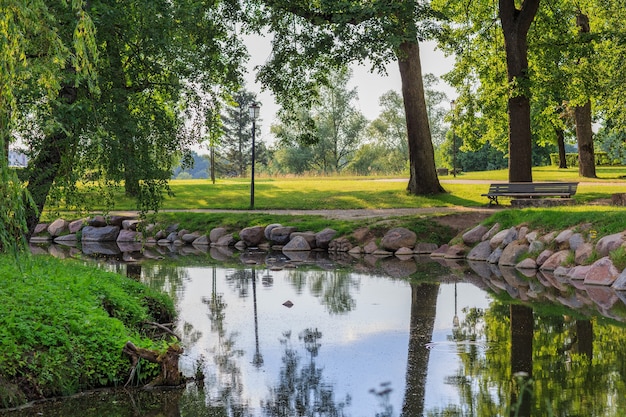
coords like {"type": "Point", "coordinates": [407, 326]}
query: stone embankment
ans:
{"type": "Point", "coordinates": [575, 254]}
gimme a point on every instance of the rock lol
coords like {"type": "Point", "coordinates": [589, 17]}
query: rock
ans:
{"type": "Point", "coordinates": [240, 246]}
{"type": "Point", "coordinates": [117, 220]}
{"type": "Point", "coordinates": [202, 241]}
{"type": "Point", "coordinates": [578, 272]}
{"type": "Point", "coordinates": [370, 247]}
{"type": "Point", "coordinates": [41, 228]}
{"type": "Point", "coordinates": [76, 225]}
{"type": "Point", "coordinates": [269, 228]}
{"type": "Point", "coordinates": [456, 252]}
{"type": "Point", "coordinates": [474, 235]}
{"type": "Point", "coordinates": [355, 250]}
{"type": "Point", "coordinates": [562, 239]}
{"type": "Point", "coordinates": [171, 228]}
{"type": "Point", "coordinates": [536, 246]}
{"type": "Point", "coordinates": [555, 260]}
{"type": "Point", "coordinates": [252, 236]}
{"type": "Point", "coordinates": [609, 243]}
{"type": "Point", "coordinates": [531, 237]}
{"type": "Point", "coordinates": [226, 240]}
{"type": "Point", "coordinates": [280, 235]}
{"type": "Point", "coordinates": [130, 224]}
{"type": "Point", "coordinates": [217, 233]}
{"type": "Point", "coordinates": [382, 252]}
{"type": "Point", "coordinates": [308, 236]}
{"type": "Point", "coordinates": [620, 282]}
{"type": "Point", "coordinates": [544, 256]}
{"type": "Point", "coordinates": [97, 221]}
{"type": "Point", "coordinates": [528, 263]}
{"type": "Point", "coordinates": [480, 252]}
{"type": "Point", "coordinates": [425, 248]}
{"type": "Point", "coordinates": [58, 227]}
{"type": "Point", "coordinates": [71, 238]}
{"type": "Point", "coordinates": [440, 252]}
{"type": "Point", "coordinates": [362, 234]}
{"type": "Point", "coordinates": [323, 238]}
{"type": "Point", "coordinates": [172, 236]}
{"type": "Point", "coordinates": [583, 252]}
{"type": "Point", "coordinates": [602, 272]}
{"type": "Point", "coordinates": [548, 238]}
{"type": "Point", "coordinates": [189, 238]}
{"type": "Point", "coordinates": [512, 252]}
{"type": "Point", "coordinates": [522, 232]}
{"type": "Point", "coordinates": [398, 237]}
{"type": "Point", "coordinates": [297, 244]}
{"type": "Point", "coordinates": [182, 233]}
{"type": "Point", "coordinates": [404, 251]}
{"type": "Point", "coordinates": [491, 232]}
{"type": "Point", "coordinates": [339, 245]}
{"type": "Point", "coordinates": [100, 234]}
{"type": "Point", "coordinates": [126, 235]}
{"type": "Point", "coordinates": [503, 237]}
{"type": "Point", "coordinates": [398, 268]}
{"type": "Point", "coordinates": [160, 235]}
{"type": "Point", "coordinates": [494, 258]}
{"type": "Point", "coordinates": [576, 241]}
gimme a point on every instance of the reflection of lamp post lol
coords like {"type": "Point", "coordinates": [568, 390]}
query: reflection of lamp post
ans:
{"type": "Point", "coordinates": [455, 320]}
{"type": "Point", "coordinates": [257, 360]}
{"type": "Point", "coordinates": [254, 113]}
{"type": "Point", "coordinates": [453, 106]}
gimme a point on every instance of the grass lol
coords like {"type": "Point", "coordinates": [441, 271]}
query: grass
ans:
{"type": "Point", "coordinates": [343, 193]}
{"type": "Point", "coordinates": [63, 326]}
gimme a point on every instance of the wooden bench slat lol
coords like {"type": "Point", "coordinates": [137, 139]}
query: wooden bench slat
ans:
{"type": "Point", "coordinates": [530, 189]}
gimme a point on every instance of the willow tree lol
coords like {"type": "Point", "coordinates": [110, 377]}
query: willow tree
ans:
{"type": "Point", "coordinates": [310, 39]}
{"type": "Point", "coordinates": [155, 60]}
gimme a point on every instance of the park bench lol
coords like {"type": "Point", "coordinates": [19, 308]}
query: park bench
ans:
{"type": "Point", "coordinates": [530, 190]}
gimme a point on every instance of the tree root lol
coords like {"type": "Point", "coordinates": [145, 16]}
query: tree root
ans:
{"type": "Point", "coordinates": [169, 376]}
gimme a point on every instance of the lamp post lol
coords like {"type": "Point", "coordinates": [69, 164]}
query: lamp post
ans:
{"type": "Point", "coordinates": [254, 114]}
{"type": "Point", "coordinates": [453, 106]}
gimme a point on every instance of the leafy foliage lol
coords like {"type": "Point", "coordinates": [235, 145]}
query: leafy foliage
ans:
{"type": "Point", "coordinates": [63, 326]}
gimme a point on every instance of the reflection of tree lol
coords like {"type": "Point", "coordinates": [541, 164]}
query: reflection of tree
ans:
{"type": "Point", "coordinates": [301, 390]}
{"type": "Point", "coordinates": [165, 278]}
{"type": "Point", "coordinates": [240, 280]}
{"type": "Point", "coordinates": [522, 326]}
{"type": "Point", "coordinates": [333, 287]}
{"type": "Point", "coordinates": [423, 309]}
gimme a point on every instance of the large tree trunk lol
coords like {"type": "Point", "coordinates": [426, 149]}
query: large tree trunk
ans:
{"type": "Point", "coordinates": [582, 117]}
{"type": "Point", "coordinates": [423, 309]}
{"type": "Point", "coordinates": [423, 174]}
{"type": "Point", "coordinates": [560, 142]}
{"type": "Point", "coordinates": [515, 25]}
{"type": "Point", "coordinates": [44, 168]}
{"type": "Point", "coordinates": [522, 325]}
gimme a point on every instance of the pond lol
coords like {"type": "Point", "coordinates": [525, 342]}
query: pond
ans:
{"type": "Point", "coordinates": [330, 338]}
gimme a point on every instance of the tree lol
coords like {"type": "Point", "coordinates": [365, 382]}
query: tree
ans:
{"type": "Point", "coordinates": [515, 25]}
{"type": "Point", "coordinates": [237, 140]}
{"type": "Point", "coordinates": [309, 41]}
{"type": "Point", "coordinates": [128, 129]}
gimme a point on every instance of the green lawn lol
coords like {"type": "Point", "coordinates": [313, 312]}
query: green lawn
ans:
{"type": "Point", "coordinates": [363, 192]}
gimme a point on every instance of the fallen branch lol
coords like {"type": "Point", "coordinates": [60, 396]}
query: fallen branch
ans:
{"type": "Point", "coordinates": [162, 327]}
{"type": "Point", "coordinates": [169, 376]}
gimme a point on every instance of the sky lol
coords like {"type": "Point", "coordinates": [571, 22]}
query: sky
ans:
{"type": "Point", "coordinates": [370, 86]}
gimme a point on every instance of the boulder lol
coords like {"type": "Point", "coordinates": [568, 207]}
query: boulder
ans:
{"type": "Point", "coordinates": [226, 240]}
{"type": "Point", "coordinates": [58, 227]}
{"type": "Point", "coordinates": [609, 243]}
{"type": "Point", "coordinates": [620, 282]}
{"type": "Point", "coordinates": [583, 252]}
{"type": "Point", "coordinates": [503, 237]}
{"type": "Point", "coordinates": [100, 234]}
{"type": "Point", "coordinates": [323, 237]}
{"type": "Point", "coordinates": [370, 247]}
{"type": "Point", "coordinates": [172, 236]}
{"type": "Point", "coordinates": [189, 238]}
{"type": "Point", "coordinates": [298, 243]}
{"type": "Point", "coordinates": [130, 224]}
{"type": "Point", "coordinates": [544, 256]}
{"type": "Point", "coordinates": [398, 237]}
{"type": "Point", "coordinates": [280, 235]}
{"type": "Point", "coordinates": [480, 252]}
{"type": "Point", "coordinates": [491, 232]}
{"type": "Point", "coordinates": [528, 263]}
{"type": "Point", "coordinates": [217, 233]}
{"type": "Point", "coordinates": [602, 272]}
{"type": "Point", "coordinates": [562, 239]}
{"type": "Point", "coordinates": [576, 241]}
{"type": "Point", "coordinates": [202, 241]}
{"type": "Point", "coordinates": [425, 247]}
{"type": "Point", "coordinates": [456, 252]}
{"type": "Point", "coordinates": [404, 252]}
{"type": "Point", "coordinates": [494, 258]}
{"type": "Point", "coordinates": [308, 236]}
{"type": "Point", "coordinates": [40, 228]}
{"type": "Point", "coordinates": [578, 272]}
{"type": "Point", "coordinates": [97, 221]}
{"type": "Point", "coordinates": [339, 245]}
{"type": "Point", "coordinates": [269, 228]}
{"type": "Point", "coordinates": [252, 236]}
{"type": "Point", "coordinates": [555, 260]}
{"type": "Point", "coordinates": [512, 253]}
{"type": "Point", "coordinates": [76, 225]}
{"type": "Point", "coordinates": [127, 235]}
{"type": "Point", "coordinates": [474, 235]}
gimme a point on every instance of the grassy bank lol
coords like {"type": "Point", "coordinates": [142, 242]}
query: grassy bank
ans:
{"type": "Point", "coordinates": [63, 326]}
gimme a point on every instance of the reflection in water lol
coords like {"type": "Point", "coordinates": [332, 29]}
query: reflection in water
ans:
{"type": "Point", "coordinates": [358, 344]}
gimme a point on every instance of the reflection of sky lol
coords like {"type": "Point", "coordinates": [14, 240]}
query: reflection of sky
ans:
{"type": "Point", "coordinates": [359, 350]}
